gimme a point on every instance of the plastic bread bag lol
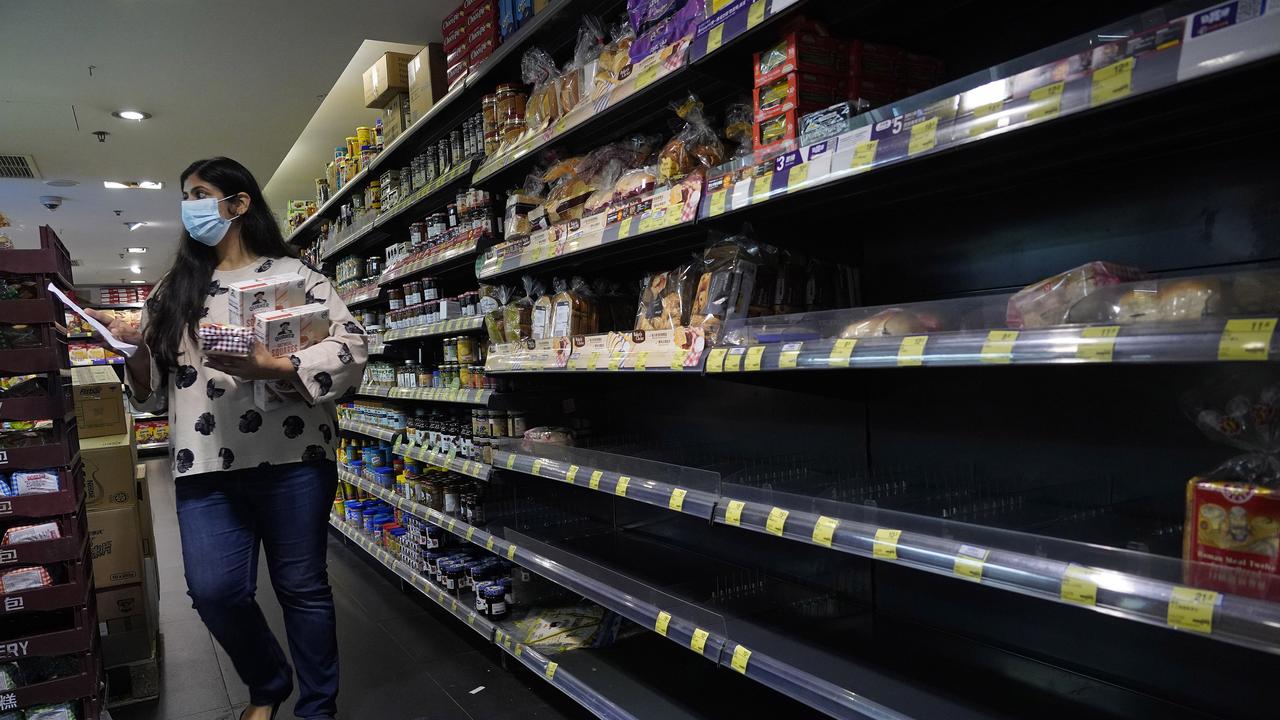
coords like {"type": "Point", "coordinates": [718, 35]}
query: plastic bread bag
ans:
{"type": "Point", "coordinates": [1048, 302]}
{"type": "Point", "coordinates": [1167, 300]}
{"type": "Point", "coordinates": [614, 57]}
{"type": "Point", "coordinates": [737, 128]}
{"type": "Point", "coordinates": [61, 711]}
{"type": "Point", "coordinates": [493, 305]}
{"type": "Point", "coordinates": [550, 435]}
{"type": "Point", "coordinates": [11, 677]}
{"type": "Point", "coordinates": [518, 314]}
{"type": "Point", "coordinates": [726, 278]}
{"type": "Point", "coordinates": [567, 197]}
{"type": "Point", "coordinates": [668, 28]}
{"type": "Point", "coordinates": [642, 14]}
{"type": "Point", "coordinates": [572, 309]}
{"type": "Point", "coordinates": [579, 73]}
{"type": "Point", "coordinates": [543, 107]}
{"type": "Point", "coordinates": [695, 144]}
{"type": "Point", "coordinates": [604, 183]}
{"type": "Point", "coordinates": [540, 309]}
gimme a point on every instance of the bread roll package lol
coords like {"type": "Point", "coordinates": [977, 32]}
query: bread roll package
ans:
{"type": "Point", "coordinates": [666, 299]}
{"type": "Point", "coordinates": [517, 315]}
{"type": "Point", "coordinates": [543, 106]}
{"type": "Point", "coordinates": [572, 309]}
{"type": "Point", "coordinates": [1048, 302]}
{"type": "Point", "coordinates": [493, 301]}
{"type": "Point", "coordinates": [726, 279]}
{"type": "Point", "coordinates": [540, 313]}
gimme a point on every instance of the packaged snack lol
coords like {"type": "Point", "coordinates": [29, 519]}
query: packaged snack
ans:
{"type": "Point", "coordinates": [35, 482]}
{"type": "Point", "coordinates": [61, 711]}
{"type": "Point", "coordinates": [143, 432]}
{"type": "Point", "coordinates": [580, 71]}
{"type": "Point", "coordinates": [894, 322]}
{"type": "Point", "coordinates": [293, 329]}
{"type": "Point", "coordinates": [799, 91]}
{"type": "Point", "coordinates": [25, 578]}
{"type": "Point", "coordinates": [518, 314]}
{"type": "Point", "coordinates": [738, 128]}
{"type": "Point", "coordinates": [800, 50]}
{"type": "Point", "coordinates": [233, 340]}
{"type": "Point", "coordinates": [15, 337]}
{"type": "Point", "coordinates": [274, 292]}
{"type": "Point", "coordinates": [572, 309]}
{"type": "Point", "coordinates": [18, 386]}
{"type": "Point", "coordinates": [566, 198]}
{"type": "Point", "coordinates": [493, 305]}
{"type": "Point", "coordinates": [543, 107]}
{"type": "Point", "coordinates": [829, 122]}
{"type": "Point", "coordinates": [31, 533]}
{"type": "Point", "coordinates": [6, 486]}
{"type": "Point", "coordinates": [604, 182]}
{"type": "Point", "coordinates": [725, 283]}
{"type": "Point", "coordinates": [1049, 301]}
{"type": "Point", "coordinates": [696, 144]}
{"type": "Point", "coordinates": [551, 435]}
{"type": "Point", "coordinates": [669, 28]}
{"type": "Point", "coordinates": [160, 431]}
{"type": "Point", "coordinates": [666, 299]}
{"type": "Point", "coordinates": [540, 320]}
{"type": "Point", "coordinates": [614, 57]}
{"type": "Point", "coordinates": [11, 678]}
{"type": "Point", "coordinates": [778, 129]}
{"type": "Point", "coordinates": [634, 183]}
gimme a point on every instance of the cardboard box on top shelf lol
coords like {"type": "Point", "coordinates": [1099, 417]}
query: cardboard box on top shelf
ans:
{"type": "Point", "coordinates": [146, 528]}
{"type": "Point", "coordinates": [427, 80]}
{"type": "Point", "coordinates": [108, 471]}
{"type": "Point", "coordinates": [99, 401]}
{"type": "Point", "coordinates": [387, 77]}
{"type": "Point", "coordinates": [115, 547]}
{"type": "Point", "coordinates": [396, 117]}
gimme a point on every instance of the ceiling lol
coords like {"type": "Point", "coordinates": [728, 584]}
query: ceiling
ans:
{"type": "Point", "coordinates": [240, 78]}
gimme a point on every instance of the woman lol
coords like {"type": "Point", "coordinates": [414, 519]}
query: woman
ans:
{"type": "Point", "coordinates": [245, 475]}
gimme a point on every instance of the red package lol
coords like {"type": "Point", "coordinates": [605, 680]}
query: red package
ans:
{"type": "Point", "coordinates": [480, 12]}
{"type": "Point", "coordinates": [482, 51]}
{"type": "Point", "coordinates": [1232, 537]}
{"type": "Point", "coordinates": [27, 578]}
{"type": "Point", "coordinates": [800, 91]}
{"type": "Point", "coordinates": [800, 51]}
{"type": "Point", "coordinates": [771, 133]}
{"type": "Point", "coordinates": [456, 18]}
{"type": "Point", "coordinates": [479, 34]}
{"type": "Point", "coordinates": [876, 60]}
{"type": "Point", "coordinates": [875, 92]}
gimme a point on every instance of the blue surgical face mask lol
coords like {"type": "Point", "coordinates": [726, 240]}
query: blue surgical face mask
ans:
{"type": "Point", "coordinates": [203, 221]}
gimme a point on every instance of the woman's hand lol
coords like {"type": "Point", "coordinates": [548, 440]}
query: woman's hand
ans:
{"type": "Point", "coordinates": [117, 326]}
{"type": "Point", "coordinates": [259, 365]}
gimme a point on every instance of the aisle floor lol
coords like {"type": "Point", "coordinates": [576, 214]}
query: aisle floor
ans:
{"type": "Point", "coordinates": [402, 658]}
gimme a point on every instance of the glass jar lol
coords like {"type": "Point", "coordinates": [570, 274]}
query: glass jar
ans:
{"type": "Point", "coordinates": [451, 497]}
{"type": "Point", "coordinates": [465, 349]}
{"type": "Point", "coordinates": [412, 293]}
{"type": "Point", "coordinates": [495, 600]}
{"type": "Point", "coordinates": [509, 107]}
{"type": "Point", "coordinates": [516, 424]}
{"type": "Point", "coordinates": [464, 375]}
{"type": "Point", "coordinates": [489, 122]}
{"type": "Point", "coordinates": [373, 265]}
{"type": "Point", "coordinates": [395, 298]}
{"type": "Point", "coordinates": [498, 423]}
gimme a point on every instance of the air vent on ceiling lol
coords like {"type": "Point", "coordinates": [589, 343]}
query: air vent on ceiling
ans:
{"type": "Point", "coordinates": [18, 166]}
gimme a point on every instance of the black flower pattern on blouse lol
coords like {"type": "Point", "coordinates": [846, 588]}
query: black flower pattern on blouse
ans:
{"type": "Point", "coordinates": [213, 391]}
{"type": "Point", "coordinates": [344, 354]}
{"type": "Point", "coordinates": [353, 327]}
{"type": "Point", "coordinates": [324, 380]}
{"type": "Point", "coordinates": [293, 426]}
{"type": "Point", "coordinates": [186, 377]}
{"type": "Point", "coordinates": [205, 424]}
{"type": "Point", "coordinates": [185, 459]}
{"type": "Point", "coordinates": [265, 266]}
{"type": "Point", "coordinates": [327, 432]}
{"type": "Point", "coordinates": [250, 421]}
{"type": "Point", "coordinates": [215, 289]}
{"type": "Point", "coordinates": [314, 452]}
{"type": "Point", "coordinates": [296, 362]}
{"type": "Point", "coordinates": [228, 457]}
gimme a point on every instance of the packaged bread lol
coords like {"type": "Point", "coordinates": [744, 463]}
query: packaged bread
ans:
{"type": "Point", "coordinates": [1048, 302]}
{"type": "Point", "coordinates": [493, 302]}
{"type": "Point", "coordinates": [540, 320]}
{"type": "Point", "coordinates": [1171, 300]}
{"type": "Point", "coordinates": [517, 315]}
{"type": "Point", "coordinates": [614, 57]}
{"type": "Point", "coordinates": [726, 278]}
{"type": "Point", "coordinates": [572, 311]}
{"type": "Point", "coordinates": [894, 322]}
{"type": "Point", "coordinates": [586, 52]}
{"type": "Point", "coordinates": [543, 106]}
{"type": "Point", "coordinates": [567, 198]}
{"type": "Point", "coordinates": [635, 183]}
{"type": "Point", "coordinates": [665, 299]}
{"type": "Point", "coordinates": [695, 144]}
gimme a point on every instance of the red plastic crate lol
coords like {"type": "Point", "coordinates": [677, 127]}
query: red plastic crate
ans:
{"type": "Point", "coordinates": [71, 631]}
{"type": "Point", "coordinates": [48, 354]}
{"type": "Point", "coordinates": [51, 258]}
{"type": "Point", "coordinates": [67, 500]}
{"type": "Point", "coordinates": [62, 452]}
{"type": "Point", "coordinates": [84, 684]}
{"type": "Point", "coordinates": [75, 591]}
{"type": "Point", "coordinates": [55, 403]}
{"type": "Point", "coordinates": [71, 545]}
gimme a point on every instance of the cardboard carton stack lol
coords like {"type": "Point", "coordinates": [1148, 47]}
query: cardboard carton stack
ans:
{"type": "Point", "coordinates": [386, 88]}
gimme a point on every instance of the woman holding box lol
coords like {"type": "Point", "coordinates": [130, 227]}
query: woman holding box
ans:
{"type": "Point", "coordinates": [248, 469]}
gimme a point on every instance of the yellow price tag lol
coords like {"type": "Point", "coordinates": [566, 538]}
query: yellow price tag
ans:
{"type": "Point", "coordinates": [733, 512]}
{"type": "Point", "coordinates": [647, 76]}
{"type": "Point", "coordinates": [999, 346]}
{"type": "Point", "coordinates": [664, 619]}
{"type": "Point", "coordinates": [537, 467]}
{"type": "Point", "coordinates": [824, 530]}
{"type": "Point", "coordinates": [677, 359]}
{"type": "Point", "coordinates": [1097, 344]}
{"type": "Point", "coordinates": [776, 521]}
{"type": "Point", "coordinates": [911, 351]}
{"type": "Point", "coordinates": [969, 562]}
{"type": "Point", "coordinates": [571, 474]}
{"type": "Point", "coordinates": [519, 648]}
{"type": "Point", "coordinates": [716, 205]}
{"type": "Point", "coordinates": [841, 352]}
{"type": "Point", "coordinates": [983, 111]}
{"type": "Point", "coordinates": [625, 228]}
{"type": "Point", "coordinates": [760, 185]}
{"type": "Point", "coordinates": [642, 359]}
{"type": "Point", "coordinates": [470, 531]}
{"type": "Point", "coordinates": [551, 669]}
{"type": "Point", "coordinates": [715, 360]}
{"type": "Point", "coordinates": [677, 499]}
{"type": "Point", "coordinates": [1078, 586]}
{"type": "Point", "coordinates": [755, 15]}
{"type": "Point", "coordinates": [594, 483]}
{"type": "Point", "coordinates": [1192, 609]}
{"type": "Point", "coordinates": [1047, 101]}
{"type": "Point", "coordinates": [593, 359]}
{"type": "Point", "coordinates": [511, 552]}
{"type": "Point", "coordinates": [864, 155]}
{"type": "Point", "coordinates": [699, 640]}
{"type": "Point", "coordinates": [489, 544]}
{"type": "Point", "coordinates": [753, 358]}
{"type": "Point", "coordinates": [1246, 339]}
{"type": "Point", "coordinates": [621, 488]}
{"type": "Point", "coordinates": [511, 461]}
{"type": "Point", "coordinates": [615, 361]}
{"type": "Point", "coordinates": [924, 136]}
{"type": "Point", "coordinates": [885, 546]}
{"type": "Point", "coordinates": [790, 354]}
{"type": "Point", "coordinates": [733, 361]}
{"type": "Point", "coordinates": [715, 37]}
{"type": "Point", "coordinates": [798, 175]}
{"type": "Point", "coordinates": [741, 656]}
{"type": "Point", "coordinates": [1112, 82]}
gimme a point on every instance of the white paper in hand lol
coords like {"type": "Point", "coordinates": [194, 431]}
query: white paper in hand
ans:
{"type": "Point", "coordinates": [116, 344]}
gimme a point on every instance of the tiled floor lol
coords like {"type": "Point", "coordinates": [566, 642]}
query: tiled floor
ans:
{"type": "Point", "coordinates": [402, 658]}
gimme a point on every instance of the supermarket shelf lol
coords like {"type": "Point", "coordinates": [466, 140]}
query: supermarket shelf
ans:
{"type": "Point", "coordinates": [682, 489]}
{"type": "Point", "coordinates": [377, 346]}
{"type": "Point", "coordinates": [349, 240]}
{"type": "Point", "coordinates": [559, 673]}
{"type": "Point", "coordinates": [360, 298]}
{"type": "Point", "coordinates": [735, 21]}
{"type": "Point", "coordinates": [468, 396]}
{"type": "Point", "coordinates": [335, 199]}
{"type": "Point", "coordinates": [436, 261]}
{"type": "Point", "coordinates": [428, 194]}
{"type": "Point", "coordinates": [971, 110]}
{"type": "Point", "coordinates": [108, 361]}
{"type": "Point", "coordinates": [465, 614]}
{"type": "Point", "coordinates": [117, 306]}
{"type": "Point", "coordinates": [444, 327]}
{"type": "Point", "coordinates": [372, 431]}
{"type": "Point", "coordinates": [163, 446]}
{"type": "Point", "coordinates": [1135, 343]}
{"type": "Point", "coordinates": [149, 416]}
{"type": "Point", "coordinates": [679, 350]}
{"type": "Point", "coordinates": [448, 461]}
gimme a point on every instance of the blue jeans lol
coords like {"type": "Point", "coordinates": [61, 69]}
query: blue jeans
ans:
{"type": "Point", "coordinates": [223, 516]}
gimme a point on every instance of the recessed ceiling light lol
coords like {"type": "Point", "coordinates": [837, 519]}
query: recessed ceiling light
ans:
{"type": "Point", "coordinates": [137, 282]}
{"type": "Point", "coordinates": [61, 183]}
{"type": "Point", "coordinates": [135, 269]}
{"type": "Point", "coordinates": [133, 225]}
{"type": "Point", "coordinates": [131, 115]}
{"type": "Point", "coordinates": [136, 250]}
{"type": "Point", "coordinates": [144, 185]}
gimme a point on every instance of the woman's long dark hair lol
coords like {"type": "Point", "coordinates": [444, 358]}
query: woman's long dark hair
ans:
{"type": "Point", "coordinates": [178, 301]}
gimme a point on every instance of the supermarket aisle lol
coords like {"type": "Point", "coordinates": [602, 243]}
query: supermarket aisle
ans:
{"type": "Point", "coordinates": [401, 657]}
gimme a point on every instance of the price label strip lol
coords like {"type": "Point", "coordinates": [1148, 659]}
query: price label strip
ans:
{"type": "Point", "coordinates": [1097, 344]}
{"type": "Point", "coordinates": [715, 360]}
{"type": "Point", "coordinates": [621, 488]}
{"type": "Point", "coordinates": [733, 512]}
{"type": "Point", "coordinates": [970, 561]}
{"type": "Point", "coordinates": [1192, 609]}
{"type": "Point", "coordinates": [776, 521]}
{"type": "Point", "coordinates": [551, 669]}
{"type": "Point", "coordinates": [885, 545]}
{"type": "Point", "coordinates": [677, 499]}
{"type": "Point", "coordinates": [864, 155]}
{"type": "Point", "coordinates": [911, 351]}
{"type": "Point", "coordinates": [1079, 586]}
{"type": "Point", "coordinates": [716, 204]}
{"type": "Point", "coordinates": [824, 530]}
{"type": "Point", "coordinates": [797, 176]}
{"type": "Point", "coordinates": [924, 136]}
{"type": "Point", "coordinates": [733, 361]}
{"type": "Point", "coordinates": [571, 474]}
{"type": "Point", "coordinates": [594, 483]}
{"type": "Point", "coordinates": [789, 356]}
{"type": "Point", "coordinates": [741, 657]}
{"type": "Point", "coordinates": [1247, 339]}
{"type": "Point", "coordinates": [841, 352]}
{"type": "Point", "coordinates": [664, 619]}
{"type": "Point", "coordinates": [698, 643]}
{"type": "Point", "coordinates": [1113, 82]}
{"type": "Point", "coordinates": [999, 346]}
{"type": "Point", "coordinates": [754, 354]}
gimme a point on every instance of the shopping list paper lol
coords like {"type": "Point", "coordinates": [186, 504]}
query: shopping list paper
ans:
{"type": "Point", "coordinates": [116, 344]}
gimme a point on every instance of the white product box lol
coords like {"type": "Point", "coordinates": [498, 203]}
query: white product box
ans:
{"type": "Point", "coordinates": [287, 331]}
{"type": "Point", "coordinates": [274, 292]}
